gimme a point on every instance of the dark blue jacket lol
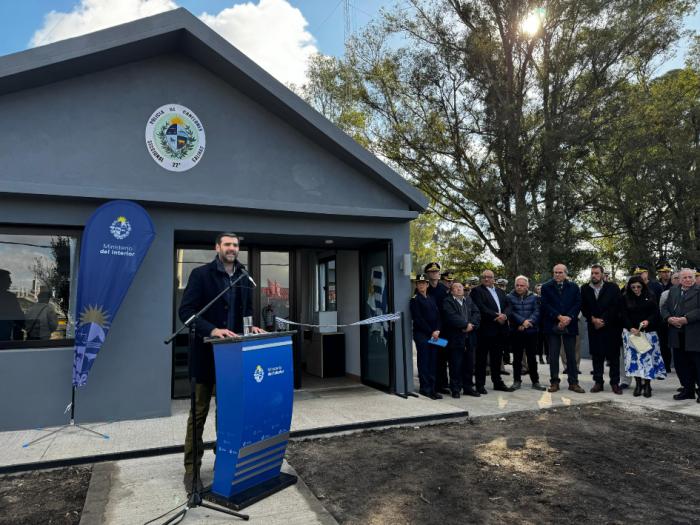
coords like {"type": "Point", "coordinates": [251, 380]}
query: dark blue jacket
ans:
{"type": "Point", "coordinates": [204, 284]}
{"type": "Point", "coordinates": [554, 304]}
{"type": "Point", "coordinates": [425, 314]}
{"type": "Point", "coordinates": [522, 308]}
{"type": "Point", "coordinates": [456, 317]}
{"type": "Point", "coordinates": [439, 293]}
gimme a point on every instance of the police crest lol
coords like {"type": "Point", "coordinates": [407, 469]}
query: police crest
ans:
{"type": "Point", "coordinates": [175, 137]}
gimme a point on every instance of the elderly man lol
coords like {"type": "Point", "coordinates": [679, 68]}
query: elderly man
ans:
{"type": "Point", "coordinates": [561, 304]}
{"type": "Point", "coordinates": [600, 302]}
{"type": "Point", "coordinates": [524, 320]}
{"type": "Point", "coordinates": [460, 318]}
{"type": "Point", "coordinates": [492, 336]}
{"type": "Point", "coordinates": [681, 312]}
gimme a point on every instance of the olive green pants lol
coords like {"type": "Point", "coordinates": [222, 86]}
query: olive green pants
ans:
{"type": "Point", "coordinates": [203, 394]}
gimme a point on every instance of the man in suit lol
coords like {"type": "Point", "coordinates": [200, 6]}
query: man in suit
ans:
{"type": "Point", "coordinates": [223, 319]}
{"type": "Point", "coordinates": [561, 304]}
{"type": "Point", "coordinates": [492, 336]}
{"type": "Point", "coordinates": [460, 318]}
{"type": "Point", "coordinates": [600, 302]}
{"type": "Point", "coordinates": [681, 312]}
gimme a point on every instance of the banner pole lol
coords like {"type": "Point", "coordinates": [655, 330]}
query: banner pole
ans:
{"type": "Point", "coordinates": [72, 406]}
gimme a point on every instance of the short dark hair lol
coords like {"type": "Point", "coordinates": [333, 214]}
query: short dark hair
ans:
{"type": "Point", "coordinates": [225, 234]}
{"type": "Point", "coordinates": [602, 270]}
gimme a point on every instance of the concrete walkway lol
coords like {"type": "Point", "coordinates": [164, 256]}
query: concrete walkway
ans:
{"type": "Point", "coordinates": [134, 491]}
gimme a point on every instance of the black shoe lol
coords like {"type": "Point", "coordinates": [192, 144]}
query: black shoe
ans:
{"type": "Point", "coordinates": [481, 390]}
{"type": "Point", "coordinates": [435, 396]}
{"type": "Point", "coordinates": [698, 400]}
{"type": "Point", "coordinates": [471, 392]}
{"type": "Point", "coordinates": [503, 388]}
{"type": "Point", "coordinates": [424, 393]}
{"type": "Point", "coordinates": [680, 396]}
{"type": "Point", "coordinates": [647, 389]}
{"type": "Point", "coordinates": [637, 388]}
{"type": "Point", "coordinates": [455, 395]}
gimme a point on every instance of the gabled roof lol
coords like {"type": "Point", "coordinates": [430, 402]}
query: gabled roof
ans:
{"type": "Point", "coordinates": [180, 31]}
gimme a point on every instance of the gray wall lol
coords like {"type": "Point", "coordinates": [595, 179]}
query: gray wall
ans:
{"type": "Point", "coordinates": [348, 286]}
{"type": "Point", "coordinates": [85, 136]}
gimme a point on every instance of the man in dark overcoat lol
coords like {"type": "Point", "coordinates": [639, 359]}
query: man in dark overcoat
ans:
{"type": "Point", "coordinates": [600, 305]}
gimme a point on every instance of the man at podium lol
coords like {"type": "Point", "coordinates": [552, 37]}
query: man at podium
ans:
{"type": "Point", "coordinates": [223, 319]}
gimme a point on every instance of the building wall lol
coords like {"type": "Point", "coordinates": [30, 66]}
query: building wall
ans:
{"type": "Point", "coordinates": [131, 376]}
{"type": "Point", "coordinates": [85, 137]}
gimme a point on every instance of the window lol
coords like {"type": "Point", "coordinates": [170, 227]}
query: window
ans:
{"type": "Point", "coordinates": [326, 285]}
{"type": "Point", "coordinates": [38, 270]}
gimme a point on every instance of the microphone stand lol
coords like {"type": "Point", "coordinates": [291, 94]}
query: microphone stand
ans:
{"type": "Point", "coordinates": [195, 497]}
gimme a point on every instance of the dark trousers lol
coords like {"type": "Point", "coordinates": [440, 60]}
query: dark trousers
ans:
{"type": "Point", "coordinates": [555, 342]}
{"type": "Point", "coordinates": [456, 353]}
{"type": "Point", "coordinates": [666, 352]}
{"type": "Point", "coordinates": [202, 397]}
{"type": "Point", "coordinates": [684, 365]}
{"type": "Point", "coordinates": [605, 345]}
{"type": "Point", "coordinates": [524, 343]}
{"type": "Point", "coordinates": [442, 356]}
{"type": "Point", "coordinates": [489, 347]}
{"type": "Point", "coordinates": [468, 366]}
{"type": "Point", "coordinates": [694, 372]}
{"type": "Point", "coordinates": [427, 362]}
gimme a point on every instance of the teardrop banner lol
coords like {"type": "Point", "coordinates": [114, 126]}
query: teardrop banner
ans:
{"type": "Point", "coordinates": [115, 241]}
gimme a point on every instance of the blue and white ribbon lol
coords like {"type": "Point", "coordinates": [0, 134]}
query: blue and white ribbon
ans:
{"type": "Point", "coordinates": [372, 320]}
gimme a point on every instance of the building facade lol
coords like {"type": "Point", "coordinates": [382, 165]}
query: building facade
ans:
{"type": "Point", "coordinates": [324, 225]}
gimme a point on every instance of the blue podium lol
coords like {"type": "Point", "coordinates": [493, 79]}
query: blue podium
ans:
{"type": "Point", "coordinates": [254, 396]}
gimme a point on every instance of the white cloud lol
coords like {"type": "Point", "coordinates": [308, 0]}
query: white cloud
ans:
{"type": "Point", "coordinates": [272, 32]}
{"type": "Point", "coordinates": [93, 15]}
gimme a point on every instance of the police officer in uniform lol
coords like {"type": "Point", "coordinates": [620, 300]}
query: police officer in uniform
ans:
{"type": "Point", "coordinates": [438, 291]}
{"type": "Point", "coordinates": [426, 326]}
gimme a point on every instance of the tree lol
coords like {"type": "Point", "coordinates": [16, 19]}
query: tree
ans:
{"type": "Point", "coordinates": [494, 123]}
{"type": "Point", "coordinates": [645, 172]}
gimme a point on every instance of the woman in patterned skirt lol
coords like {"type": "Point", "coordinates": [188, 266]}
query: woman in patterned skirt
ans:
{"type": "Point", "coordinates": [640, 315]}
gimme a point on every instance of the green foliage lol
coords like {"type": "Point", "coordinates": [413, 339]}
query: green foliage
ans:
{"type": "Point", "coordinates": [531, 145]}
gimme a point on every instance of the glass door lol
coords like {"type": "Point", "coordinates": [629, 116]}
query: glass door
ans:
{"type": "Point", "coordinates": [376, 340]}
{"type": "Point", "coordinates": [274, 288]}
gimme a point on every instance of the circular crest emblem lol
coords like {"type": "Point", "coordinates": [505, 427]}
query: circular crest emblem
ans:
{"type": "Point", "coordinates": [120, 228]}
{"type": "Point", "coordinates": [259, 374]}
{"type": "Point", "coordinates": [175, 137]}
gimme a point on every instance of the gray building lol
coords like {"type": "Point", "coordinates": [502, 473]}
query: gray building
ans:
{"type": "Point", "coordinates": [324, 224]}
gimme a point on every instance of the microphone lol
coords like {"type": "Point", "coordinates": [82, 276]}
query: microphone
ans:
{"type": "Point", "coordinates": [245, 272]}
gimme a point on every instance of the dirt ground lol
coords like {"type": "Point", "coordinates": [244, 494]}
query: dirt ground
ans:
{"type": "Point", "coordinates": [586, 464]}
{"type": "Point", "coordinates": [44, 497]}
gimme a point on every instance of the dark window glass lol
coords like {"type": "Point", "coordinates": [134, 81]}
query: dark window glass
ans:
{"type": "Point", "coordinates": [38, 270]}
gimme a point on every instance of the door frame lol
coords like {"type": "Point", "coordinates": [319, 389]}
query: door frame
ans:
{"type": "Point", "coordinates": [386, 245]}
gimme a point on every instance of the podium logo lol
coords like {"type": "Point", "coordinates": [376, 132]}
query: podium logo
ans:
{"type": "Point", "coordinates": [259, 374]}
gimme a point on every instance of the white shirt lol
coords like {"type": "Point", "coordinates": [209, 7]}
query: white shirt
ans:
{"type": "Point", "coordinates": [492, 291]}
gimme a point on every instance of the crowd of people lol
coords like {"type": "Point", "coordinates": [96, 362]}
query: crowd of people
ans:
{"type": "Point", "coordinates": [466, 330]}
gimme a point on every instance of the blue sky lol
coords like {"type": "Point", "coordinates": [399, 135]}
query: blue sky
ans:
{"type": "Point", "coordinates": [20, 20]}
